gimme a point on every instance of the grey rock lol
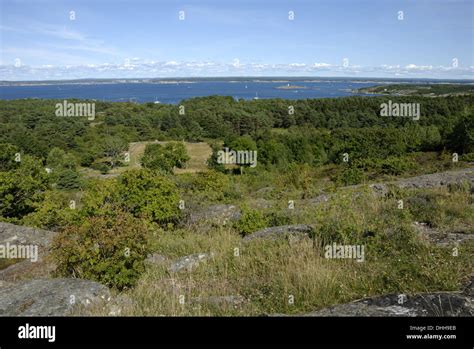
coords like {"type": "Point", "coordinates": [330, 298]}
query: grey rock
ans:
{"type": "Point", "coordinates": [50, 297]}
{"type": "Point", "coordinates": [281, 231]}
{"type": "Point", "coordinates": [319, 199]}
{"type": "Point", "coordinates": [436, 237]}
{"type": "Point", "coordinates": [20, 235]}
{"type": "Point", "coordinates": [26, 270]}
{"type": "Point", "coordinates": [262, 203]}
{"type": "Point", "coordinates": [219, 215]}
{"type": "Point", "coordinates": [190, 262]}
{"type": "Point", "coordinates": [379, 189]}
{"type": "Point", "coordinates": [433, 180]}
{"type": "Point", "coordinates": [5, 284]}
{"type": "Point", "coordinates": [469, 287]}
{"type": "Point", "coordinates": [156, 259]}
{"type": "Point", "coordinates": [11, 234]}
{"type": "Point", "coordinates": [438, 179]}
{"type": "Point", "coordinates": [428, 304]}
{"type": "Point", "coordinates": [234, 301]}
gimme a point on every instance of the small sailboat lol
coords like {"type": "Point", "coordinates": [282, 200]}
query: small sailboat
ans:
{"type": "Point", "coordinates": [256, 96]}
{"type": "Point", "coordinates": [156, 101]}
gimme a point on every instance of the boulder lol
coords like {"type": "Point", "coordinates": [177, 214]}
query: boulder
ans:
{"type": "Point", "coordinates": [11, 234]}
{"type": "Point", "coordinates": [446, 239]}
{"type": "Point", "coordinates": [219, 215]}
{"type": "Point", "coordinates": [428, 304]}
{"type": "Point", "coordinates": [20, 235]}
{"type": "Point", "coordinates": [284, 231]}
{"type": "Point", "coordinates": [50, 297]}
{"type": "Point", "coordinates": [156, 259]}
{"type": "Point", "coordinates": [190, 262]}
{"type": "Point", "coordinates": [433, 180]}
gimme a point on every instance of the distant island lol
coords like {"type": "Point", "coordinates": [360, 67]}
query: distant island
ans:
{"type": "Point", "coordinates": [427, 90]}
{"type": "Point", "coordinates": [275, 79]}
{"type": "Point", "coordinates": [290, 87]}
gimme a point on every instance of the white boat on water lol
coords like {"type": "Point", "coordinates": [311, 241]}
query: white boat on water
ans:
{"type": "Point", "coordinates": [256, 96]}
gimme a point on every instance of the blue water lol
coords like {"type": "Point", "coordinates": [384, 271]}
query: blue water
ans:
{"type": "Point", "coordinates": [173, 93]}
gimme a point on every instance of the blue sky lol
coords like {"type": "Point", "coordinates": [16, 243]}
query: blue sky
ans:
{"type": "Point", "coordinates": [145, 38]}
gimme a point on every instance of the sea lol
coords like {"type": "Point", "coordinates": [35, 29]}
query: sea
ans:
{"type": "Point", "coordinates": [172, 92]}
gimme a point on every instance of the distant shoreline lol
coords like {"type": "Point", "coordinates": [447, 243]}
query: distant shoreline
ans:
{"type": "Point", "coordinates": [233, 80]}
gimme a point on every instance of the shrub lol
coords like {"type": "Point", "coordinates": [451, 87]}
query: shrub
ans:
{"type": "Point", "coordinates": [396, 165]}
{"type": "Point", "coordinates": [52, 213]}
{"type": "Point", "coordinates": [110, 250]}
{"type": "Point", "coordinates": [350, 176]}
{"type": "Point", "coordinates": [7, 157]}
{"type": "Point", "coordinates": [250, 221]}
{"type": "Point", "coordinates": [101, 198]}
{"type": "Point", "coordinates": [149, 195]}
{"type": "Point", "coordinates": [469, 157]}
{"type": "Point", "coordinates": [58, 158]}
{"type": "Point", "coordinates": [68, 179]}
{"type": "Point", "coordinates": [165, 158]}
{"type": "Point", "coordinates": [211, 185]}
{"type": "Point", "coordinates": [22, 188]}
{"type": "Point", "coordinates": [100, 166]}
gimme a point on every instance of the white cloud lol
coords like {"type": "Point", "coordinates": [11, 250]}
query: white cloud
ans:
{"type": "Point", "coordinates": [151, 69]}
{"type": "Point", "coordinates": [418, 67]}
{"type": "Point", "coordinates": [321, 65]}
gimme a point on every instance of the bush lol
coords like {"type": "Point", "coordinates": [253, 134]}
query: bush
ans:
{"type": "Point", "coordinates": [52, 213]}
{"type": "Point", "coordinates": [469, 157]}
{"type": "Point", "coordinates": [68, 179]}
{"type": "Point", "coordinates": [100, 166]}
{"type": "Point", "coordinates": [396, 165]}
{"type": "Point", "coordinates": [165, 158]}
{"type": "Point", "coordinates": [7, 157]}
{"type": "Point", "coordinates": [148, 195]}
{"type": "Point", "coordinates": [211, 185]}
{"type": "Point", "coordinates": [110, 250]}
{"type": "Point", "coordinates": [250, 221]}
{"type": "Point", "coordinates": [350, 176]}
{"type": "Point", "coordinates": [21, 189]}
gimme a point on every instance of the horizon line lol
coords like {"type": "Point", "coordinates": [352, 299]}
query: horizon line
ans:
{"type": "Point", "coordinates": [246, 77]}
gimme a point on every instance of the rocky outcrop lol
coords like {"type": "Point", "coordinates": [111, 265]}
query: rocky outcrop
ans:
{"type": "Point", "coordinates": [447, 239]}
{"type": "Point", "coordinates": [156, 259]}
{"type": "Point", "coordinates": [15, 235]}
{"type": "Point", "coordinates": [20, 235]}
{"type": "Point", "coordinates": [50, 297]}
{"type": "Point", "coordinates": [190, 262]}
{"type": "Point", "coordinates": [218, 215]}
{"type": "Point", "coordinates": [429, 304]}
{"type": "Point", "coordinates": [278, 232]}
{"type": "Point", "coordinates": [434, 180]}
